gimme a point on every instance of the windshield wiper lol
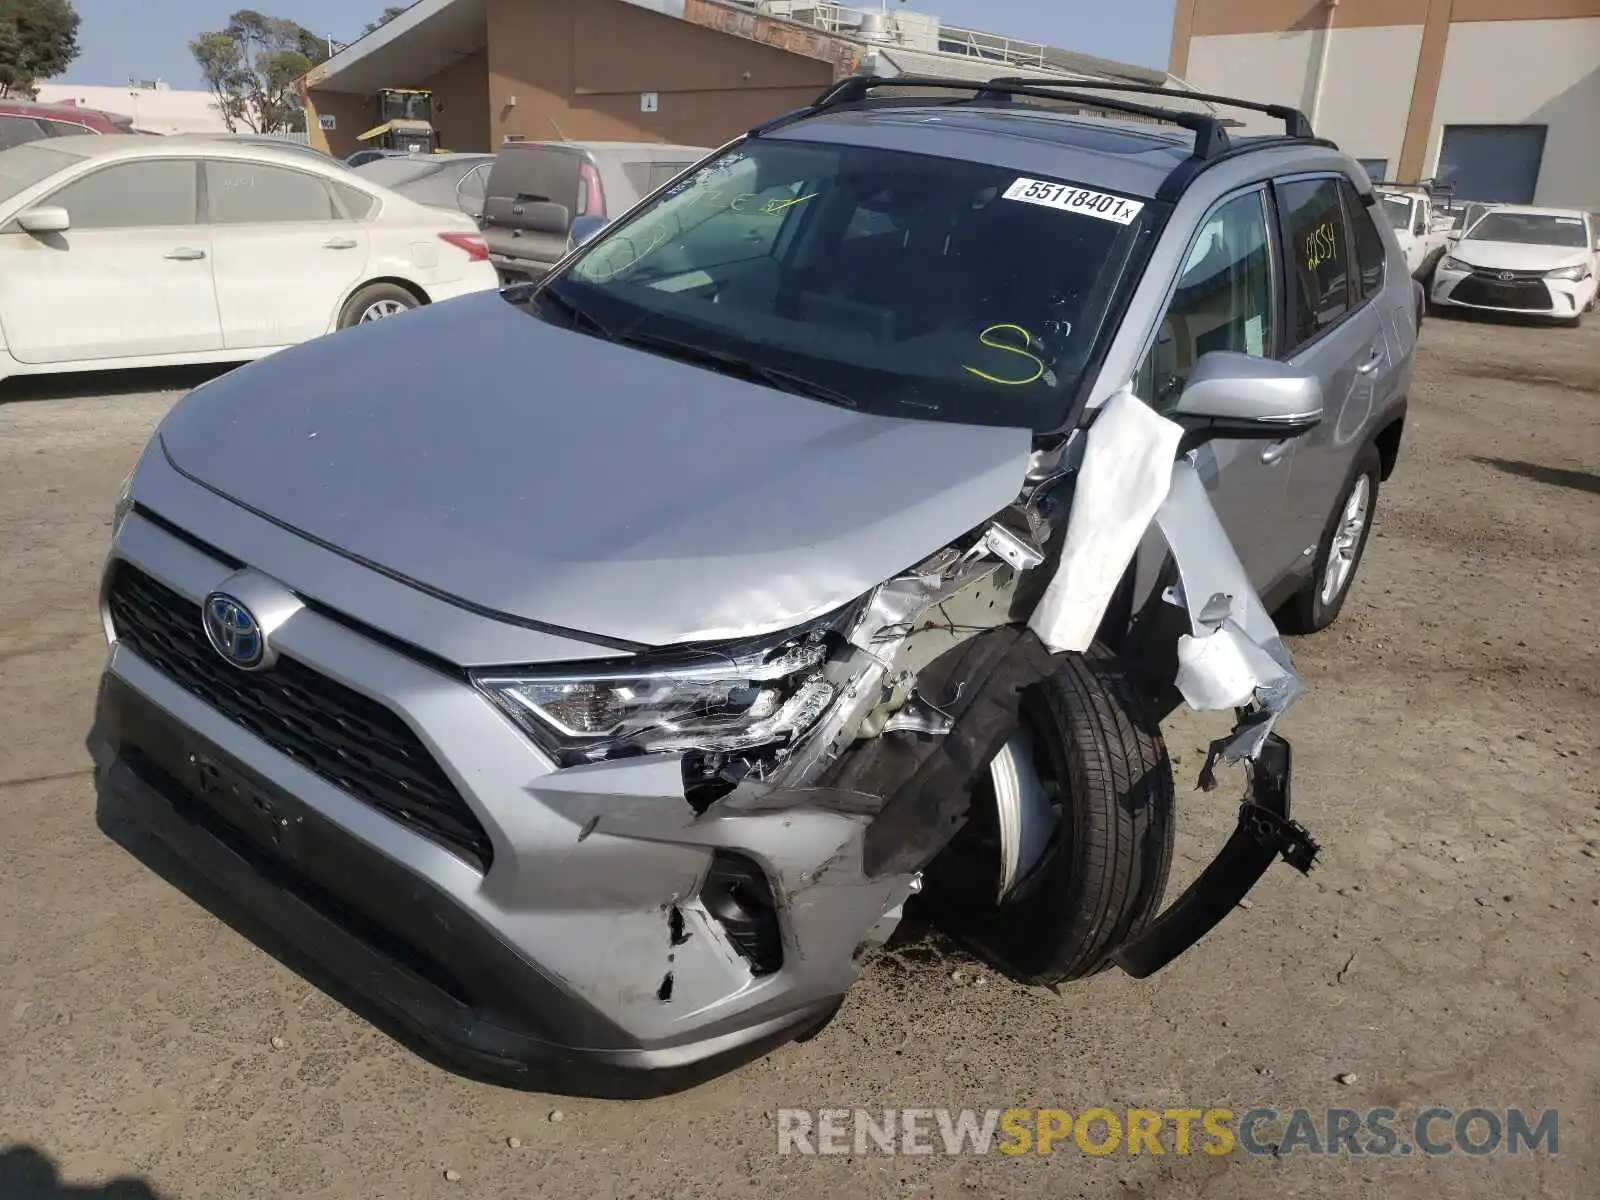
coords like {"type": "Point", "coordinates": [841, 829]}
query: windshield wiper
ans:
{"type": "Point", "coordinates": [576, 314]}
{"type": "Point", "coordinates": [733, 364]}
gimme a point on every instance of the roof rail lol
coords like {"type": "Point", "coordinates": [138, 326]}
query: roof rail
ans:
{"type": "Point", "coordinates": [1430, 186]}
{"type": "Point", "coordinates": [1210, 135]}
{"type": "Point", "coordinates": [1295, 123]}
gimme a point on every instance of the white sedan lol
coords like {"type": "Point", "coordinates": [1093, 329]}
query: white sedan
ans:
{"type": "Point", "coordinates": [134, 251]}
{"type": "Point", "coordinates": [1522, 259]}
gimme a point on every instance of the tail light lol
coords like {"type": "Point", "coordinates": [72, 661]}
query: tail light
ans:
{"type": "Point", "coordinates": [477, 249]}
{"type": "Point", "coordinates": [594, 198]}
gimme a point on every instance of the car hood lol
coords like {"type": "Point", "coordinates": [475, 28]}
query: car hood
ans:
{"type": "Point", "coordinates": [1518, 256]}
{"type": "Point", "coordinates": [553, 477]}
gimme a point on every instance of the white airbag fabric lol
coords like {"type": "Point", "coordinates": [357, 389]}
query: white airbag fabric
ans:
{"type": "Point", "coordinates": [1126, 471]}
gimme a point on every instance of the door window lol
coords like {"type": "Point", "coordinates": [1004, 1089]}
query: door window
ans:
{"type": "Point", "coordinates": [1371, 256]}
{"type": "Point", "coordinates": [152, 194]}
{"type": "Point", "coordinates": [1318, 258]}
{"type": "Point", "coordinates": [244, 193]}
{"type": "Point", "coordinates": [17, 131]}
{"type": "Point", "coordinates": [1224, 300]}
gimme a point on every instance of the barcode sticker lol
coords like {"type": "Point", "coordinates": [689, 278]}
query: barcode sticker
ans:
{"type": "Point", "coordinates": [1067, 198]}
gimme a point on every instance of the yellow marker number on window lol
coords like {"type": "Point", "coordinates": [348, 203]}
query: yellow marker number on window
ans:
{"type": "Point", "coordinates": [991, 337]}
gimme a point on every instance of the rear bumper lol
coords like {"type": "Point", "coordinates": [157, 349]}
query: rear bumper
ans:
{"type": "Point", "coordinates": [383, 940]}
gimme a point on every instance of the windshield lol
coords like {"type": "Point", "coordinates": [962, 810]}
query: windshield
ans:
{"type": "Point", "coordinates": [1398, 210]}
{"type": "Point", "coordinates": [1530, 229]}
{"type": "Point", "coordinates": [23, 166]}
{"type": "Point", "coordinates": [896, 283]}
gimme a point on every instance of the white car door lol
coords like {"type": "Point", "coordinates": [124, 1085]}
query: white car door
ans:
{"type": "Point", "coordinates": [286, 254]}
{"type": "Point", "coordinates": [130, 278]}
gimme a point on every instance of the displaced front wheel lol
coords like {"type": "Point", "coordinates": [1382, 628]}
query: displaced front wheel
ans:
{"type": "Point", "coordinates": [1090, 764]}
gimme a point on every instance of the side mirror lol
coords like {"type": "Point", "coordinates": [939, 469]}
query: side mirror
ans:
{"type": "Point", "coordinates": [585, 228]}
{"type": "Point", "coordinates": [1232, 395]}
{"type": "Point", "coordinates": [45, 220]}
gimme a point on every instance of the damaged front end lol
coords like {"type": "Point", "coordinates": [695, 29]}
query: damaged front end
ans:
{"type": "Point", "coordinates": [825, 768]}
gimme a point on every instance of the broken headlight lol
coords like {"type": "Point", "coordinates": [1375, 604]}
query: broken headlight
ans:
{"type": "Point", "coordinates": [724, 700]}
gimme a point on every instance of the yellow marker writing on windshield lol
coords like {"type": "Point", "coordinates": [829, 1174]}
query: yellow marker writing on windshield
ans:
{"type": "Point", "coordinates": [990, 338]}
{"type": "Point", "coordinates": [771, 208]}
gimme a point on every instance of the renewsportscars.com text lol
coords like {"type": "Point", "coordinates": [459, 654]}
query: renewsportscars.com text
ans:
{"type": "Point", "coordinates": [1376, 1132]}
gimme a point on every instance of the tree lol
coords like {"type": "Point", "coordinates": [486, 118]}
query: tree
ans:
{"type": "Point", "coordinates": [38, 39]}
{"type": "Point", "coordinates": [387, 15]}
{"type": "Point", "coordinates": [251, 66]}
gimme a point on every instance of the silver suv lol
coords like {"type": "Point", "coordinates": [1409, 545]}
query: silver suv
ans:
{"type": "Point", "coordinates": [581, 679]}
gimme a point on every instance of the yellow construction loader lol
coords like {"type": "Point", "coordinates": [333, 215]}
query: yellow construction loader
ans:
{"type": "Point", "coordinates": [405, 122]}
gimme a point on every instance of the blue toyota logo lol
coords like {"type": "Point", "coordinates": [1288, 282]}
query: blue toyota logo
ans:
{"type": "Point", "coordinates": [233, 631]}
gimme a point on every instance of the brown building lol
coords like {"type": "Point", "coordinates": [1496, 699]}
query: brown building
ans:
{"type": "Point", "coordinates": [693, 72]}
{"type": "Point", "coordinates": [687, 71]}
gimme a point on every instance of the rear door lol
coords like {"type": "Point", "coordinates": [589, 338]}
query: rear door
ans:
{"type": "Point", "coordinates": [1335, 332]}
{"type": "Point", "coordinates": [1227, 298]}
{"type": "Point", "coordinates": [132, 277]}
{"type": "Point", "coordinates": [532, 194]}
{"type": "Point", "coordinates": [287, 252]}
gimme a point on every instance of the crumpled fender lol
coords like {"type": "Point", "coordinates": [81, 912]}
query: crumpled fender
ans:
{"type": "Point", "coordinates": [1232, 655]}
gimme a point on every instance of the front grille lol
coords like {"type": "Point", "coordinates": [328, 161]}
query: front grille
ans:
{"type": "Point", "coordinates": [349, 739]}
{"type": "Point", "coordinates": [1525, 290]}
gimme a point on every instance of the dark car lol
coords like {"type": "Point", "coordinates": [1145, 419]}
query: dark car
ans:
{"type": "Point", "coordinates": [23, 121]}
{"type": "Point", "coordinates": [366, 155]}
{"type": "Point", "coordinates": [537, 189]}
{"type": "Point", "coordinates": [453, 181]}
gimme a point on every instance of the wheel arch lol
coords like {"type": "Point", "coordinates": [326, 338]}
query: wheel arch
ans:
{"type": "Point", "coordinates": [1387, 440]}
{"type": "Point", "coordinates": [399, 281]}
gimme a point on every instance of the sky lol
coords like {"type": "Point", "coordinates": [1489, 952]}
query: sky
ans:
{"type": "Point", "coordinates": [149, 39]}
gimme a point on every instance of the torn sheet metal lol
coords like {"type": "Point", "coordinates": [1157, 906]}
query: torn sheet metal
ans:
{"type": "Point", "coordinates": [1233, 640]}
{"type": "Point", "coordinates": [1126, 471]}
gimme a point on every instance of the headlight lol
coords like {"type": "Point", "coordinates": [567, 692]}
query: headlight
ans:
{"type": "Point", "coordinates": [716, 700]}
{"type": "Point", "coordinates": [1449, 263]}
{"type": "Point", "coordinates": [1577, 274]}
{"type": "Point", "coordinates": [124, 504]}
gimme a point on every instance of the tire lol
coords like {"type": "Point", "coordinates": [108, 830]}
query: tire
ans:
{"type": "Point", "coordinates": [1310, 610]}
{"type": "Point", "coordinates": [1104, 872]}
{"type": "Point", "coordinates": [373, 297]}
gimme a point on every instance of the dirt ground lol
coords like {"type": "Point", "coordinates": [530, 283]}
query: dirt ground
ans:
{"type": "Point", "coordinates": [1446, 756]}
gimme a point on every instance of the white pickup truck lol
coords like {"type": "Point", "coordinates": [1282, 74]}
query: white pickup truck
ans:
{"type": "Point", "coordinates": [1421, 230]}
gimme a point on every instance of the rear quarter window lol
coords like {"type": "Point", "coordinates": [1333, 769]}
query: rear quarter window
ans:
{"type": "Point", "coordinates": [1370, 253]}
{"type": "Point", "coordinates": [360, 205]}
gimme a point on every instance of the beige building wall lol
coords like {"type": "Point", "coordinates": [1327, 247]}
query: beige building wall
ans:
{"type": "Point", "coordinates": [1384, 78]}
{"type": "Point", "coordinates": [1556, 68]}
{"type": "Point", "coordinates": [154, 110]}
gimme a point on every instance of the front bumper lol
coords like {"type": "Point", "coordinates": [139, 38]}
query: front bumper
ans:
{"type": "Point", "coordinates": [1526, 294]}
{"type": "Point", "coordinates": [396, 948]}
{"type": "Point", "coordinates": [587, 956]}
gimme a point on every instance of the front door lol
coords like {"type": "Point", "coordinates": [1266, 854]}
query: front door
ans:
{"type": "Point", "coordinates": [286, 253]}
{"type": "Point", "coordinates": [1226, 298]}
{"type": "Point", "coordinates": [131, 278]}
